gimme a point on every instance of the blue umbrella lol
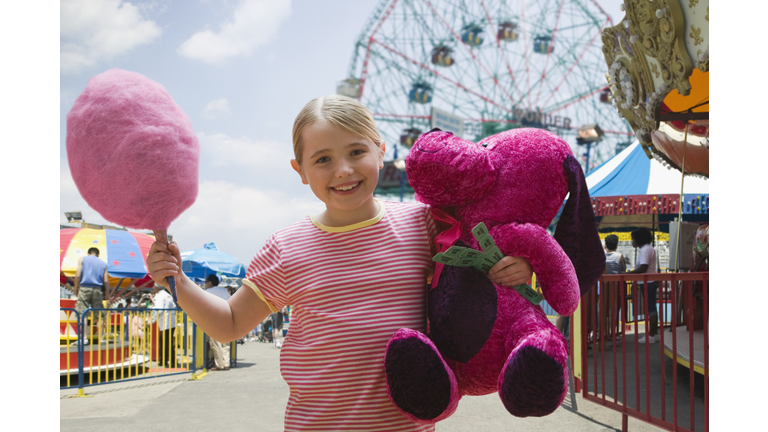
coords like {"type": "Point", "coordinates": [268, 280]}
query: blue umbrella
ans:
{"type": "Point", "coordinates": [199, 263]}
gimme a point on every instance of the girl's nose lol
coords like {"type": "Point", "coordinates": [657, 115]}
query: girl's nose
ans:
{"type": "Point", "coordinates": [343, 169]}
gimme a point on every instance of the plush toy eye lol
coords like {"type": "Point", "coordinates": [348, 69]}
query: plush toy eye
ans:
{"type": "Point", "coordinates": [485, 144]}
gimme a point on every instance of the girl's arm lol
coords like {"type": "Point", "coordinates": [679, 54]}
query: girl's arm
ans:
{"type": "Point", "coordinates": [223, 320]}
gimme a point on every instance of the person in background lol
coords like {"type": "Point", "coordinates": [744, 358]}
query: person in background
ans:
{"type": "Point", "coordinates": [220, 350]}
{"type": "Point", "coordinates": [91, 279]}
{"type": "Point", "coordinates": [138, 320]}
{"type": "Point", "coordinates": [646, 263]}
{"type": "Point", "coordinates": [277, 328]}
{"type": "Point", "coordinates": [614, 264]}
{"type": "Point", "coordinates": [166, 325]}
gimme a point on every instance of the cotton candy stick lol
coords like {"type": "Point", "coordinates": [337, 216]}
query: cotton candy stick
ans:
{"type": "Point", "coordinates": [162, 237]}
{"type": "Point", "coordinates": [132, 152]}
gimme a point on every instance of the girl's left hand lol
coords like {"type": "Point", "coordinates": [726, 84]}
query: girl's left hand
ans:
{"type": "Point", "coordinates": [511, 271]}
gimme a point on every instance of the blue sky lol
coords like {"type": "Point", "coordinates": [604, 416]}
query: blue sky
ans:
{"type": "Point", "coordinates": [241, 70]}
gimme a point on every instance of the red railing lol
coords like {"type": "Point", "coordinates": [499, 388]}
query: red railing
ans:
{"type": "Point", "coordinates": [665, 383]}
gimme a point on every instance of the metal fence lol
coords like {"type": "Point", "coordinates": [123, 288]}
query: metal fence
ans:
{"type": "Point", "coordinates": [665, 383]}
{"type": "Point", "coordinates": [107, 345]}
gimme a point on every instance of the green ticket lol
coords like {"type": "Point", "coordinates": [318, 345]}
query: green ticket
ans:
{"type": "Point", "coordinates": [483, 261]}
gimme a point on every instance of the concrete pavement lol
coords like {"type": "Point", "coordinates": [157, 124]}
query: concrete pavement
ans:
{"type": "Point", "coordinates": [252, 397]}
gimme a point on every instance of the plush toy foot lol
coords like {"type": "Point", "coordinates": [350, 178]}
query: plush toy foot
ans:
{"type": "Point", "coordinates": [532, 383]}
{"type": "Point", "coordinates": [419, 381]}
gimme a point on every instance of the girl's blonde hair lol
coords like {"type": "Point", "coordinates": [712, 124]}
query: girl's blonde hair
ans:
{"type": "Point", "coordinates": [341, 111]}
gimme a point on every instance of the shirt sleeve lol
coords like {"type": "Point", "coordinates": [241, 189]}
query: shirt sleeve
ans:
{"type": "Point", "coordinates": [266, 277]}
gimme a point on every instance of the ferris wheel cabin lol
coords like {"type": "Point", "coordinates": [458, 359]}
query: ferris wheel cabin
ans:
{"type": "Point", "coordinates": [472, 35]}
{"type": "Point", "coordinates": [349, 87]}
{"type": "Point", "coordinates": [420, 93]}
{"type": "Point", "coordinates": [543, 44]}
{"type": "Point", "coordinates": [409, 136]}
{"type": "Point", "coordinates": [605, 95]}
{"type": "Point", "coordinates": [442, 56]}
{"type": "Point", "coordinates": [507, 31]}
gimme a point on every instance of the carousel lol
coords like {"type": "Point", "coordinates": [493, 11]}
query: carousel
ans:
{"type": "Point", "coordinates": [125, 254]}
{"type": "Point", "coordinates": [658, 75]}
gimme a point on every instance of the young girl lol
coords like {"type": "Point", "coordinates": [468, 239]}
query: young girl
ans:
{"type": "Point", "coordinates": [360, 264]}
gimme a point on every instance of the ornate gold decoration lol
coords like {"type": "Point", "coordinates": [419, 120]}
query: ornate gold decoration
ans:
{"type": "Point", "coordinates": [696, 36]}
{"type": "Point", "coordinates": [703, 60]}
{"type": "Point", "coordinates": [706, 17]}
{"type": "Point", "coordinates": [651, 29]}
{"type": "Point", "coordinates": [655, 70]}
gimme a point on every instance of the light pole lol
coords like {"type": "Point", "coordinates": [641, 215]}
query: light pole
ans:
{"type": "Point", "coordinates": [400, 166]}
{"type": "Point", "coordinates": [588, 134]}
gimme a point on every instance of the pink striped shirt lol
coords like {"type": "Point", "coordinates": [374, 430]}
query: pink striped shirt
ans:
{"type": "Point", "coordinates": [350, 288]}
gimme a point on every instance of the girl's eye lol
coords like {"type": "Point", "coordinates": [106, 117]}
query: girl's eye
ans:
{"type": "Point", "coordinates": [356, 152]}
{"type": "Point", "coordinates": [323, 159]}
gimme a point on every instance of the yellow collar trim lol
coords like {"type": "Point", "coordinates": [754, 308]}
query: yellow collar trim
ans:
{"type": "Point", "coordinates": [358, 225]}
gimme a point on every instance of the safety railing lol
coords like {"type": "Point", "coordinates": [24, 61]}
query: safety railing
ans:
{"type": "Point", "coordinates": [107, 345]}
{"type": "Point", "coordinates": [617, 364]}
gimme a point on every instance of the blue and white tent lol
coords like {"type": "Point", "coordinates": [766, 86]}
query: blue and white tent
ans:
{"type": "Point", "coordinates": [632, 173]}
{"type": "Point", "coordinates": [199, 263]}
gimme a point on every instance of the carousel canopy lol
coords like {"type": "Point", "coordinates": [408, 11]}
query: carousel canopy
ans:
{"type": "Point", "coordinates": [124, 252]}
{"type": "Point", "coordinates": [632, 173]}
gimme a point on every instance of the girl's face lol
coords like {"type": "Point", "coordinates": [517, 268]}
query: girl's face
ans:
{"type": "Point", "coordinates": [342, 169]}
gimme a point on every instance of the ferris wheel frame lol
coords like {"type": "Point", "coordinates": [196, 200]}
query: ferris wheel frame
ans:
{"type": "Point", "coordinates": [519, 106]}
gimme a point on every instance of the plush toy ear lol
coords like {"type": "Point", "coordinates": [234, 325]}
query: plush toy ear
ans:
{"type": "Point", "coordinates": [576, 230]}
{"type": "Point", "coordinates": [447, 171]}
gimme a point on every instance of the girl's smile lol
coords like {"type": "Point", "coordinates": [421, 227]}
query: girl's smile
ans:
{"type": "Point", "coordinates": [346, 187]}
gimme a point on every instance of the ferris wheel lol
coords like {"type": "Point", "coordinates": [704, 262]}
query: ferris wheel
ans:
{"type": "Point", "coordinates": [496, 64]}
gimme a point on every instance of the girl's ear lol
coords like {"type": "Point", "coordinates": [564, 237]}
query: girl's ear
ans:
{"type": "Point", "coordinates": [296, 167]}
{"type": "Point", "coordinates": [381, 155]}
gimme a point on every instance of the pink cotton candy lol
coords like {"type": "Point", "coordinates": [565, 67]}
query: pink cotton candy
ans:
{"type": "Point", "coordinates": [132, 151]}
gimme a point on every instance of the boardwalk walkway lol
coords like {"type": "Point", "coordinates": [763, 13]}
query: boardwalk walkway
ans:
{"type": "Point", "coordinates": [252, 397]}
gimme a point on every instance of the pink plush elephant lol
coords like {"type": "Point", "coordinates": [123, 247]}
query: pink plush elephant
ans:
{"type": "Point", "coordinates": [485, 338]}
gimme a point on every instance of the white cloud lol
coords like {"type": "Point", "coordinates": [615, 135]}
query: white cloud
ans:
{"type": "Point", "coordinates": [217, 107]}
{"type": "Point", "coordinates": [253, 24]}
{"type": "Point", "coordinates": [95, 30]}
{"type": "Point", "coordinates": [238, 219]}
{"type": "Point", "coordinates": [222, 150]}
{"type": "Point", "coordinates": [70, 199]}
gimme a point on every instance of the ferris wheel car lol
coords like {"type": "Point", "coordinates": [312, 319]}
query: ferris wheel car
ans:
{"type": "Point", "coordinates": [442, 56]}
{"type": "Point", "coordinates": [420, 93]}
{"type": "Point", "coordinates": [472, 35]}
{"type": "Point", "coordinates": [605, 96]}
{"type": "Point", "coordinates": [409, 136]}
{"type": "Point", "coordinates": [348, 87]}
{"type": "Point", "coordinates": [507, 31]}
{"type": "Point", "coordinates": [542, 44]}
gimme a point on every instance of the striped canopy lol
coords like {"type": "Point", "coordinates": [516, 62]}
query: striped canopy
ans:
{"type": "Point", "coordinates": [631, 172]}
{"type": "Point", "coordinates": [124, 252]}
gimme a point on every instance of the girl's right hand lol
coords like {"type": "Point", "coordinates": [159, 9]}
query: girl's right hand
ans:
{"type": "Point", "coordinates": [163, 261]}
